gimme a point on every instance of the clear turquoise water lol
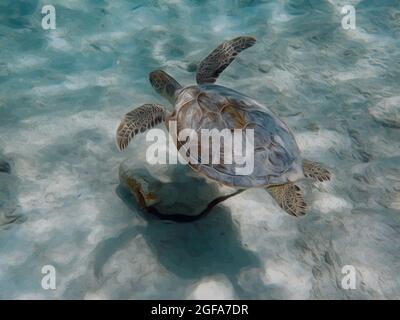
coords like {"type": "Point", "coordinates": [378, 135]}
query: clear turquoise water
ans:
{"type": "Point", "coordinates": [63, 92]}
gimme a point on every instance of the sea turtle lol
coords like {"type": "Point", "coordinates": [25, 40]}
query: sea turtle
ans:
{"type": "Point", "coordinates": [277, 161]}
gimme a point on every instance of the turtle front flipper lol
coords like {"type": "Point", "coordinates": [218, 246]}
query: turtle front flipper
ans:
{"type": "Point", "coordinates": [289, 198]}
{"type": "Point", "coordinates": [217, 61]}
{"type": "Point", "coordinates": [137, 121]}
{"type": "Point", "coordinates": [316, 171]}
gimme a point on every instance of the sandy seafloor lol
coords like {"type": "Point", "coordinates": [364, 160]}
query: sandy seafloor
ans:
{"type": "Point", "coordinates": [64, 91]}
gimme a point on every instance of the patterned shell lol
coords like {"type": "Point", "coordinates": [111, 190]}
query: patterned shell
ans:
{"type": "Point", "coordinates": [276, 154]}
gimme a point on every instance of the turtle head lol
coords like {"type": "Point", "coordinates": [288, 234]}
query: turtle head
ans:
{"type": "Point", "coordinates": [164, 84]}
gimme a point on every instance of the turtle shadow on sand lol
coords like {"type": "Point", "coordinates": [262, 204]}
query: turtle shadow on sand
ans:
{"type": "Point", "coordinates": [208, 247]}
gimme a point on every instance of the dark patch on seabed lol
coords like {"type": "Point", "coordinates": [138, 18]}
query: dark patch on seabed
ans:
{"type": "Point", "coordinates": [4, 166]}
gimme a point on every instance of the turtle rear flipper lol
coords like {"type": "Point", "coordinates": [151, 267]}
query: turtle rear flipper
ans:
{"type": "Point", "coordinates": [316, 171]}
{"type": "Point", "coordinates": [139, 120]}
{"type": "Point", "coordinates": [217, 61]}
{"type": "Point", "coordinates": [289, 198]}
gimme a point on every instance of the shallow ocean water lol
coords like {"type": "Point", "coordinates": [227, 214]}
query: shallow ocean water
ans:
{"type": "Point", "coordinates": [64, 91]}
